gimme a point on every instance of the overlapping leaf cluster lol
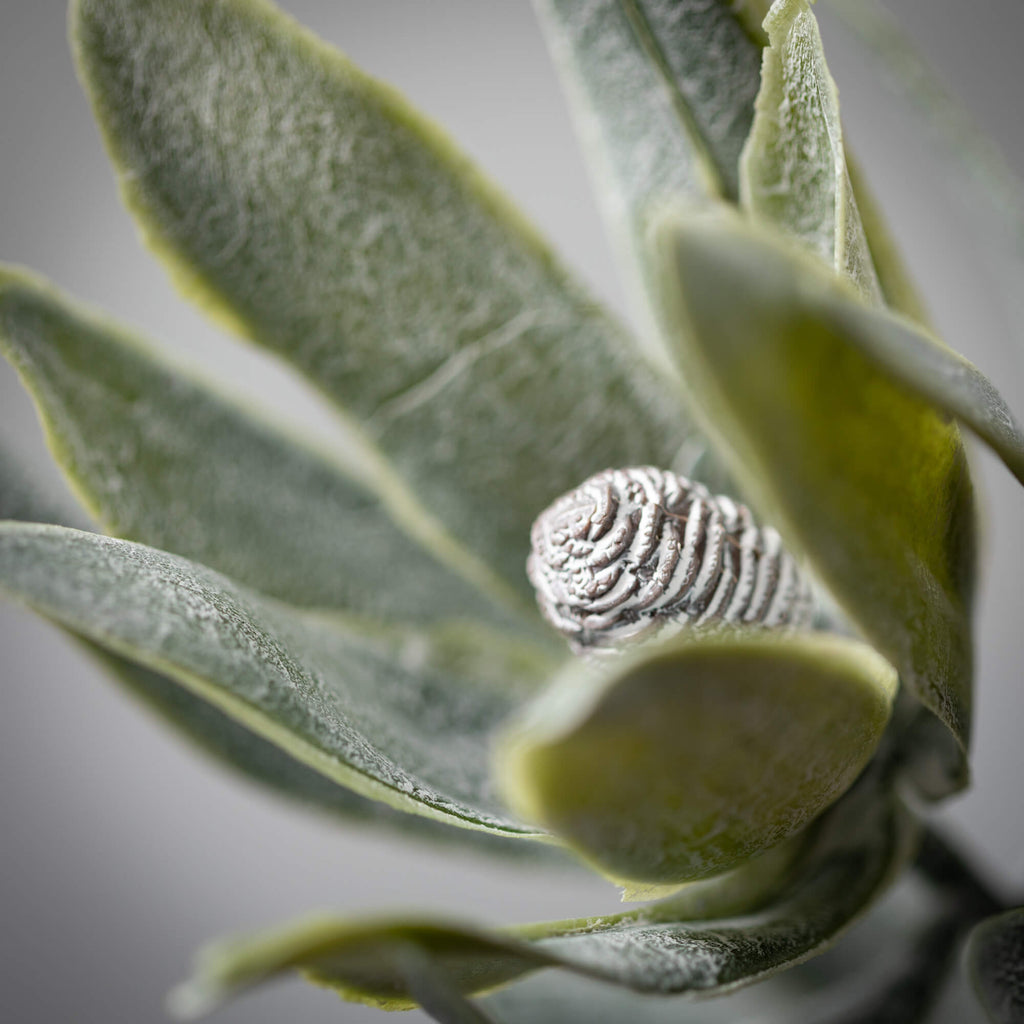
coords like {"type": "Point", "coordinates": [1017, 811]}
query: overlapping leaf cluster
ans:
{"type": "Point", "coordinates": [355, 628]}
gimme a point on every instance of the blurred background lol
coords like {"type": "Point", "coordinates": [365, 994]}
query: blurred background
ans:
{"type": "Point", "coordinates": [121, 850]}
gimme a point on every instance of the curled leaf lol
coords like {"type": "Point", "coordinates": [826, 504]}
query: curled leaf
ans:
{"type": "Point", "coordinates": [859, 471]}
{"type": "Point", "coordinates": [690, 758]}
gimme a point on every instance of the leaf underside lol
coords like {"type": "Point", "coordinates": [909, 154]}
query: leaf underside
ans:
{"type": "Point", "coordinates": [690, 758]}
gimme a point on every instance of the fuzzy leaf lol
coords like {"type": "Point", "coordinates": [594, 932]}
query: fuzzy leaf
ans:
{"type": "Point", "coordinates": [859, 471]}
{"type": "Point", "coordinates": [995, 962]}
{"type": "Point", "coordinates": [161, 458]}
{"type": "Point", "coordinates": [215, 732]}
{"type": "Point", "coordinates": [394, 715]}
{"type": "Point", "coordinates": [793, 170]}
{"type": "Point", "coordinates": [664, 92]}
{"type": "Point", "coordinates": [317, 213]}
{"type": "Point", "coordinates": [690, 758]}
{"type": "Point", "coordinates": [702, 940]}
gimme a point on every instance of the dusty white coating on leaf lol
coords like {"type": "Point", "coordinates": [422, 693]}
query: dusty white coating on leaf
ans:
{"type": "Point", "coordinates": [332, 692]}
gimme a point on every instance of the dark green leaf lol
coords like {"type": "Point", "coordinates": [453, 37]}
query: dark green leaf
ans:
{"type": "Point", "coordinates": [689, 758]}
{"type": "Point", "coordinates": [995, 961]}
{"type": "Point", "coordinates": [702, 940]}
{"type": "Point", "coordinates": [312, 209]}
{"type": "Point", "coordinates": [160, 458]}
{"type": "Point", "coordinates": [860, 473]}
{"type": "Point", "coordinates": [397, 716]}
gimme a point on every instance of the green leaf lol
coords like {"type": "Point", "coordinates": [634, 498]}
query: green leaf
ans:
{"type": "Point", "coordinates": [664, 96]}
{"type": "Point", "coordinates": [995, 962]}
{"type": "Point", "coordinates": [858, 471]}
{"type": "Point", "coordinates": [702, 940]}
{"type": "Point", "coordinates": [793, 169]}
{"type": "Point", "coordinates": [394, 715]}
{"type": "Point", "coordinates": [216, 733]}
{"type": "Point", "coordinates": [161, 458]}
{"type": "Point", "coordinates": [312, 209]}
{"type": "Point", "coordinates": [690, 758]}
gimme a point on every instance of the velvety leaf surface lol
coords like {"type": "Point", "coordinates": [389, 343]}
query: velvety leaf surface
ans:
{"type": "Point", "coordinates": [316, 212]}
{"type": "Point", "coordinates": [215, 732]}
{"type": "Point", "coordinates": [161, 458]}
{"type": "Point", "coordinates": [702, 940]}
{"type": "Point", "coordinates": [995, 961]}
{"type": "Point", "coordinates": [860, 473]}
{"type": "Point", "coordinates": [663, 91]}
{"type": "Point", "coordinates": [220, 736]}
{"type": "Point", "coordinates": [689, 758]}
{"type": "Point", "coordinates": [793, 170]}
{"type": "Point", "coordinates": [398, 716]}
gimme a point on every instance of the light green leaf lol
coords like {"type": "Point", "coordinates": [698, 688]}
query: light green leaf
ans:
{"type": "Point", "coordinates": [397, 716]}
{"type": "Point", "coordinates": [161, 458]}
{"type": "Point", "coordinates": [858, 471]}
{"type": "Point", "coordinates": [317, 213]}
{"type": "Point", "coordinates": [995, 962]}
{"type": "Point", "coordinates": [689, 758]}
{"type": "Point", "coordinates": [702, 940]}
{"type": "Point", "coordinates": [793, 169]}
{"type": "Point", "coordinates": [663, 93]}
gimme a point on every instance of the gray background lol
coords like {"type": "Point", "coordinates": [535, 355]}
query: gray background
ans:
{"type": "Point", "coordinates": [120, 851]}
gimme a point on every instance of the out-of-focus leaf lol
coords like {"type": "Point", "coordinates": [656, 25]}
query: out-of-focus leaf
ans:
{"type": "Point", "coordinates": [395, 715]}
{"type": "Point", "coordinates": [995, 962]}
{"type": "Point", "coordinates": [693, 942]}
{"type": "Point", "coordinates": [793, 170]}
{"type": "Point", "coordinates": [23, 496]}
{"type": "Point", "coordinates": [858, 471]}
{"type": "Point", "coordinates": [317, 213]}
{"type": "Point", "coordinates": [161, 458]}
{"type": "Point", "coordinates": [690, 758]}
{"type": "Point", "coordinates": [664, 94]}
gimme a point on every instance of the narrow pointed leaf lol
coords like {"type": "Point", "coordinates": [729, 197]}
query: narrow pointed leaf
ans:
{"type": "Point", "coordinates": [995, 962]}
{"type": "Point", "coordinates": [688, 759]}
{"type": "Point", "coordinates": [397, 716]}
{"type": "Point", "coordinates": [664, 97]}
{"type": "Point", "coordinates": [317, 213]}
{"type": "Point", "coordinates": [861, 472]}
{"type": "Point", "coordinates": [690, 943]}
{"type": "Point", "coordinates": [215, 732]}
{"type": "Point", "coordinates": [793, 171]}
{"type": "Point", "coordinates": [161, 458]}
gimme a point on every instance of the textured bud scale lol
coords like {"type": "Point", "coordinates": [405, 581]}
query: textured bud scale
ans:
{"type": "Point", "coordinates": [631, 551]}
